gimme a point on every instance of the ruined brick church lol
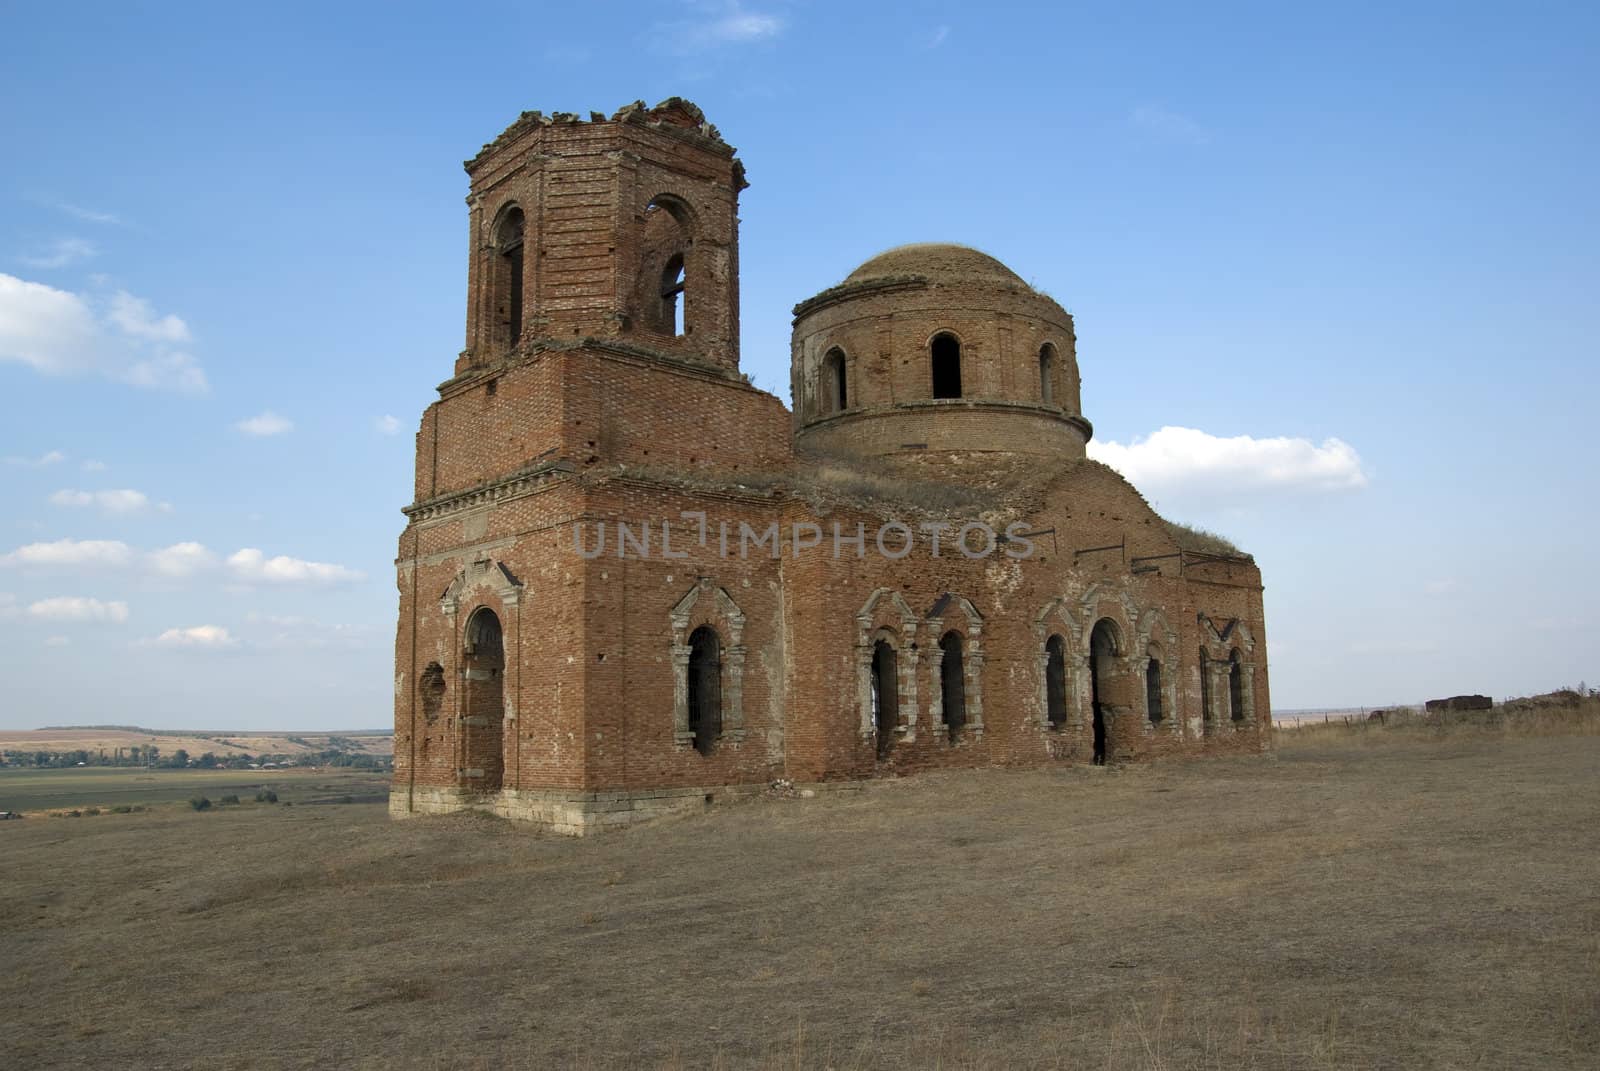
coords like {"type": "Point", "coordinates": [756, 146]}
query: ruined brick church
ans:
{"type": "Point", "coordinates": [632, 582]}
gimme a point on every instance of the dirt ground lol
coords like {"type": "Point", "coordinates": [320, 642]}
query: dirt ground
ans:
{"type": "Point", "coordinates": [1424, 904]}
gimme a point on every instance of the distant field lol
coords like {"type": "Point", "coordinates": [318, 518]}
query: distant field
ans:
{"type": "Point", "coordinates": [221, 744]}
{"type": "Point", "coordinates": [1396, 900]}
{"type": "Point", "coordinates": [30, 790]}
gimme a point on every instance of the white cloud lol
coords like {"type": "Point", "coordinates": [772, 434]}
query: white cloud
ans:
{"type": "Point", "coordinates": [125, 500]}
{"type": "Point", "coordinates": [213, 637]}
{"type": "Point", "coordinates": [264, 424]}
{"type": "Point", "coordinates": [57, 332]}
{"type": "Point", "coordinates": [108, 553]}
{"type": "Point", "coordinates": [78, 608]}
{"type": "Point", "coordinates": [1169, 125]}
{"type": "Point", "coordinates": [54, 457]}
{"type": "Point", "coordinates": [94, 466]}
{"type": "Point", "coordinates": [135, 317]}
{"type": "Point", "coordinates": [938, 36]}
{"type": "Point", "coordinates": [181, 559]}
{"type": "Point", "coordinates": [717, 23]}
{"type": "Point", "coordinates": [168, 371]}
{"type": "Point", "coordinates": [1191, 465]}
{"type": "Point", "coordinates": [388, 425]}
{"type": "Point", "coordinates": [61, 253]}
{"type": "Point", "coordinates": [56, 641]}
{"type": "Point", "coordinates": [252, 566]}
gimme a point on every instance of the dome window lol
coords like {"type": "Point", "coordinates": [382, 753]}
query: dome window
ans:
{"type": "Point", "coordinates": [946, 353]}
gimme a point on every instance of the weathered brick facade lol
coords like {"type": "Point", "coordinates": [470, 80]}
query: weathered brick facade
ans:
{"type": "Point", "coordinates": [631, 581]}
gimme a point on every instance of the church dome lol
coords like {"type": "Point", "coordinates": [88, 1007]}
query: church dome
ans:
{"type": "Point", "coordinates": [936, 354]}
{"type": "Point", "coordinates": [942, 262]}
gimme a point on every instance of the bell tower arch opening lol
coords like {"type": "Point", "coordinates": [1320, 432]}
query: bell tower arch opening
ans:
{"type": "Point", "coordinates": [507, 269]}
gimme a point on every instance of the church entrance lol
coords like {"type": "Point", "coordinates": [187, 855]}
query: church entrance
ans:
{"type": "Point", "coordinates": [1102, 652]}
{"type": "Point", "coordinates": [885, 696]}
{"type": "Point", "coordinates": [483, 714]}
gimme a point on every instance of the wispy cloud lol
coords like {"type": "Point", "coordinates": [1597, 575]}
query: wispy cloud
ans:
{"type": "Point", "coordinates": [265, 424]}
{"type": "Point", "coordinates": [88, 215]}
{"type": "Point", "coordinates": [716, 24]}
{"type": "Point", "coordinates": [1169, 125]}
{"type": "Point", "coordinates": [938, 36]}
{"type": "Point", "coordinates": [94, 466]}
{"type": "Point", "coordinates": [53, 457]}
{"type": "Point", "coordinates": [1196, 467]}
{"type": "Point", "coordinates": [387, 425]}
{"type": "Point", "coordinates": [201, 637]}
{"type": "Point", "coordinates": [58, 332]}
{"type": "Point", "coordinates": [79, 608]}
{"type": "Point", "coordinates": [293, 632]}
{"type": "Point", "coordinates": [125, 500]}
{"type": "Point", "coordinates": [61, 253]}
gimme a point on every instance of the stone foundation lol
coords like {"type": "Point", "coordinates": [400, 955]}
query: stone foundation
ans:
{"type": "Point", "coordinates": [572, 814]}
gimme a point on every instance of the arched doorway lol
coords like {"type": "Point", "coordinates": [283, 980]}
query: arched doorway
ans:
{"type": "Point", "coordinates": [885, 695]}
{"type": "Point", "coordinates": [1102, 655]}
{"type": "Point", "coordinates": [705, 688]}
{"type": "Point", "coordinates": [483, 716]}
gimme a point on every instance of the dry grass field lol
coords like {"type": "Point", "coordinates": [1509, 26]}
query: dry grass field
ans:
{"type": "Point", "coordinates": [1410, 899]}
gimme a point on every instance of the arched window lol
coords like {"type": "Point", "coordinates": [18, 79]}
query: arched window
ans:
{"type": "Point", "coordinates": [705, 687]}
{"type": "Point", "coordinates": [672, 285]}
{"type": "Point", "coordinates": [885, 695]}
{"type": "Point", "coordinates": [1206, 713]}
{"type": "Point", "coordinates": [834, 396]}
{"type": "Point", "coordinates": [508, 243]}
{"type": "Point", "coordinates": [1235, 686]}
{"type": "Point", "coordinates": [1055, 681]}
{"type": "Point", "coordinates": [1152, 691]}
{"type": "Point", "coordinates": [946, 354]}
{"type": "Point", "coordinates": [953, 683]}
{"type": "Point", "coordinates": [1047, 374]}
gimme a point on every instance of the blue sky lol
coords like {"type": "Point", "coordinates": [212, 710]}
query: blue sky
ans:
{"type": "Point", "coordinates": [1347, 255]}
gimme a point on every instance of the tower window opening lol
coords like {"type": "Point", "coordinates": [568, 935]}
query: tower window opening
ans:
{"type": "Point", "coordinates": [835, 393]}
{"type": "Point", "coordinates": [946, 353]}
{"type": "Point", "coordinates": [508, 276]}
{"type": "Point", "coordinates": [672, 296]}
{"type": "Point", "coordinates": [1047, 374]}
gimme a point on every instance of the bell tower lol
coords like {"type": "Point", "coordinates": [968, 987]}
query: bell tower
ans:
{"type": "Point", "coordinates": [621, 230]}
